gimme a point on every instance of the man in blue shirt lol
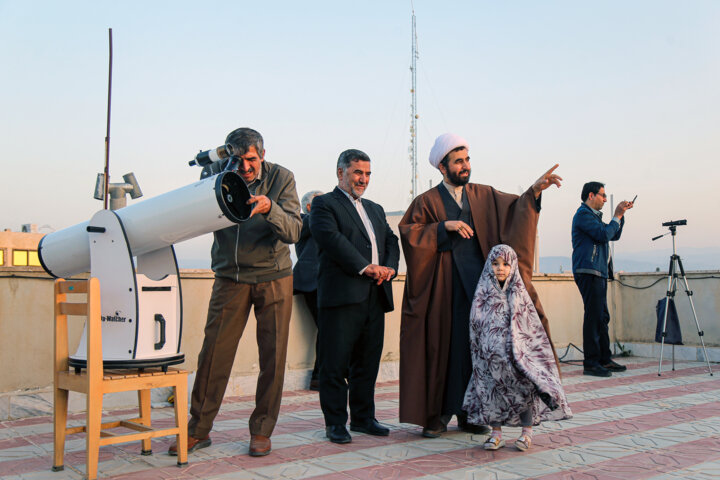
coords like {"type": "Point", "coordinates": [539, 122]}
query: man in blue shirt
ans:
{"type": "Point", "coordinates": [592, 266]}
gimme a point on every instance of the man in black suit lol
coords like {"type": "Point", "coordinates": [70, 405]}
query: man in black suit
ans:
{"type": "Point", "coordinates": [305, 274]}
{"type": "Point", "coordinates": [359, 256]}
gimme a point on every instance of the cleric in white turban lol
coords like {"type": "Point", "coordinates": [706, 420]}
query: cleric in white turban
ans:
{"type": "Point", "coordinates": [444, 144]}
{"type": "Point", "coordinates": [446, 233]}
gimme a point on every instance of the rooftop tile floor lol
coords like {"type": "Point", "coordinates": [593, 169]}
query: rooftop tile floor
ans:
{"type": "Point", "coordinates": [635, 425]}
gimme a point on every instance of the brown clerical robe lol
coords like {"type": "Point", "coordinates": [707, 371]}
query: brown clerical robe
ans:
{"type": "Point", "coordinates": [426, 309]}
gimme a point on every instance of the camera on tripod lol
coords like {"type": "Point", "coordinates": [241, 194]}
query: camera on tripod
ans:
{"type": "Point", "coordinates": [667, 304]}
{"type": "Point", "coordinates": [674, 223]}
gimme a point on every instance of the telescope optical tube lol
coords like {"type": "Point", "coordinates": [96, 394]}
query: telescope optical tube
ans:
{"type": "Point", "coordinates": [202, 207]}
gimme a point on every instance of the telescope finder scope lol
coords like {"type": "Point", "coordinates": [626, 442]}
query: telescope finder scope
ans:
{"type": "Point", "coordinates": [210, 156]}
{"type": "Point", "coordinates": [673, 223]}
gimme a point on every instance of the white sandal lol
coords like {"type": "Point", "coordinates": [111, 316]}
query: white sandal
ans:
{"type": "Point", "coordinates": [493, 443]}
{"type": "Point", "coordinates": [523, 442]}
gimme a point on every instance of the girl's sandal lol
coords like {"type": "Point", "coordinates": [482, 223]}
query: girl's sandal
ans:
{"type": "Point", "coordinates": [493, 443]}
{"type": "Point", "coordinates": [523, 442]}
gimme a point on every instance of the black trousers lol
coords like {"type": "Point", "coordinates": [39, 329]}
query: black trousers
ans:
{"type": "Point", "coordinates": [596, 340]}
{"type": "Point", "coordinates": [351, 342]}
{"type": "Point", "coordinates": [311, 302]}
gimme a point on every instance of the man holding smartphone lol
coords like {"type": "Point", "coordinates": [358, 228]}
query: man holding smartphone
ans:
{"type": "Point", "coordinates": [592, 266]}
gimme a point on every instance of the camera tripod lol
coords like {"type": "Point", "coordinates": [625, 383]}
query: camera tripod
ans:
{"type": "Point", "coordinates": [675, 263]}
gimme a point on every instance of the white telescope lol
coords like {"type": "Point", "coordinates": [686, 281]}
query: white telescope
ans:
{"type": "Point", "coordinates": [141, 307]}
{"type": "Point", "coordinates": [188, 212]}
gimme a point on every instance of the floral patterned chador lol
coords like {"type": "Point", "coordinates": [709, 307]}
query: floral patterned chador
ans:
{"type": "Point", "coordinates": [514, 368]}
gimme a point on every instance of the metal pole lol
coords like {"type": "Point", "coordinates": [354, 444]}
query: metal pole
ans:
{"type": "Point", "coordinates": [107, 133]}
{"type": "Point", "coordinates": [611, 282]}
{"type": "Point", "coordinates": [670, 293]}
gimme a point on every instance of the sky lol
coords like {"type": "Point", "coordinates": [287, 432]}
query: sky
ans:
{"type": "Point", "coordinates": [623, 92]}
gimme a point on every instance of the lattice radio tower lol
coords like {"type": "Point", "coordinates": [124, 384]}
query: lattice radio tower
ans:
{"type": "Point", "coordinates": [414, 114]}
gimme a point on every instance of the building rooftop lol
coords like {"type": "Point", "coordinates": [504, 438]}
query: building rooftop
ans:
{"type": "Point", "coordinates": [635, 425]}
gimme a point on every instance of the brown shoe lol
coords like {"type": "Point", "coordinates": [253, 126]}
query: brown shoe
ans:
{"type": "Point", "coordinates": [193, 444]}
{"type": "Point", "coordinates": [260, 445]}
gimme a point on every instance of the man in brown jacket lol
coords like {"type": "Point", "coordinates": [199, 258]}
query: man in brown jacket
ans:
{"type": "Point", "coordinates": [446, 233]}
{"type": "Point", "coordinates": [252, 266]}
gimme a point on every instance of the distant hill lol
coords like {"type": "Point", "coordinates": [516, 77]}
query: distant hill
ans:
{"type": "Point", "coordinates": [647, 261]}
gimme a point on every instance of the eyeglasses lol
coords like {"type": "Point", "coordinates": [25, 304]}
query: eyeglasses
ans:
{"type": "Point", "coordinates": [604, 195]}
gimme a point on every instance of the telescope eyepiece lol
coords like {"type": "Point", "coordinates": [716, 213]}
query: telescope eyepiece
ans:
{"type": "Point", "coordinates": [673, 223]}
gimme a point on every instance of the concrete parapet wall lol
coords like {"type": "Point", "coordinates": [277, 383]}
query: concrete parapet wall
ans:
{"type": "Point", "coordinates": [636, 319]}
{"type": "Point", "coordinates": [26, 316]}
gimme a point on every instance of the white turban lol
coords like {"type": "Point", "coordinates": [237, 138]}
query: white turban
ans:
{"type": "Point", "coordinates": [445, 144]}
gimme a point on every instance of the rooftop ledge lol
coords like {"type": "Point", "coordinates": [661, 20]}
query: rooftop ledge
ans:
{"type": "Point", "coordinates": [27, 313]}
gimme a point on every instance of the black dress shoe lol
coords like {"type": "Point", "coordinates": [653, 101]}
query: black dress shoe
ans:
{"type": "Point", "coordinates": [338, 434]}
{"type": "Point", "coordinates": [597, 371]}
{"type": "Point", "coordinates": [430, 433]}
{"type": "Point", "coordinates": [371, 427]}
{"type": "Point", "coordinates": [615, 367]}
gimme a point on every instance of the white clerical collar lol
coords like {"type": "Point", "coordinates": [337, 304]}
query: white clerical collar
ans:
{"type": "Point", "coordinates": [455, 191]}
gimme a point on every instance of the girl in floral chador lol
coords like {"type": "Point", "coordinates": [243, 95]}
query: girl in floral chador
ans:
{"type": "Point", "coordinates": [515, 380]}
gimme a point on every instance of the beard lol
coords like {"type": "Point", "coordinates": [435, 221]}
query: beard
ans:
{"type": "Point", "coordinates": [457, 180]}
{"type": "Point", "coordinates": [357, 192]}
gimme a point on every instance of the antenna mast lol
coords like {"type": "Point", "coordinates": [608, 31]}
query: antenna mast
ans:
{"type": "Point", "coordinates": [106, 186]}
{"type": "Point", "coordinates": [414, 115]}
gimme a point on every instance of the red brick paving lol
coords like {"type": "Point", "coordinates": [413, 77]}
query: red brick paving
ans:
{"type": "Point", "coordinates": [469, 453]}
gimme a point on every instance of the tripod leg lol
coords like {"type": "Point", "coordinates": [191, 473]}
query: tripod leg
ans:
{"type": "Point", "coordinates": [701, 334]}
{"type": "Point", "coordinates": [668, 294]}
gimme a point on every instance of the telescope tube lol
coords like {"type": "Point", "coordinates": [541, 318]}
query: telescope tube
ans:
{"type": "Point", "coordinates": [202, 207]}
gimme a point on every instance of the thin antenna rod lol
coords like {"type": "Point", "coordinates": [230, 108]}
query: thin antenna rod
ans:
{"type": "Point", "coordinates": [107, 133]}
{"type": "Point", "coordinates": [414, 115]}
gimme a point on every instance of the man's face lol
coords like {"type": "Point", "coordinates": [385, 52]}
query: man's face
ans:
{"type": "Point", "coordinates": [458, 168]}
{"type": "Point", "coordinates": [310, 203]}
{"type": "Point", "coordinates": [250, 164]}
{"type": "Point", "coordinates": [355, 178]}
{"type": "Point", "coordinates": [597, 200]}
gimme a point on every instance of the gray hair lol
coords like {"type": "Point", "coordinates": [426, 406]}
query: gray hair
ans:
{"type": "Point", "coordinates": [308, 197]}
{"type": "Point", "coordinates": [244, 138]}
{"type": "Point", "coordinates": [349, 155]}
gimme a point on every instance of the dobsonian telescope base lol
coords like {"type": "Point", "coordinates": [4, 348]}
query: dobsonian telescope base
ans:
{"type": "Point", "coordinates": [141, 307]}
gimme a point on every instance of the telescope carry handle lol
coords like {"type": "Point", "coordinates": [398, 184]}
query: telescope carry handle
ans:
{"type": "Point", "coordinates": [161, 320]}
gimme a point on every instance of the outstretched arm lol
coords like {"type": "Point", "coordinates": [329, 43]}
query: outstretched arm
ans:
{"type": "Point", "coordinates": [547, 179]}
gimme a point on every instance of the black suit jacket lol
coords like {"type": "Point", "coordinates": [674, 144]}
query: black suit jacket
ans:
{"type": "Point", "coordinates": [305, 271]}
{"type": "Point", "coordinates": [344, 250]}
